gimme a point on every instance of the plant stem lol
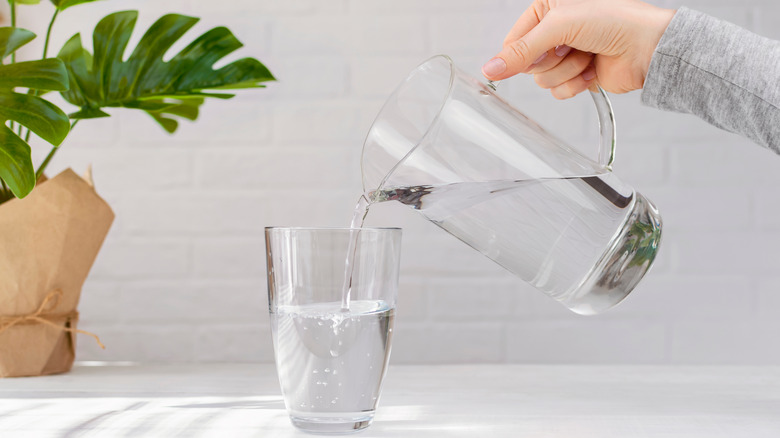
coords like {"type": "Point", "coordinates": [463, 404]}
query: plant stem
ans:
{"type": "Point", "coordinates": [53, 151]}
{"type": "Point", "coordinates": [13, 24]}
{"type": "Point", "coordinates": [5, 190]}
{"type": "Point", "coordinates": [48, 33]}
{"type": "Point", "coordinates": [13, 54]}
{"type": "Point", "coordinates": [45, 51]}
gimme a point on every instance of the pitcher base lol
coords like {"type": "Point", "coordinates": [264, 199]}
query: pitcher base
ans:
{"type": "Point", "coordinates": [623, 265]}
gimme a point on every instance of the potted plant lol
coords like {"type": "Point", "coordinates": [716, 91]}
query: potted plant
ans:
{"type": "Point", "coordinates": [51, 230]}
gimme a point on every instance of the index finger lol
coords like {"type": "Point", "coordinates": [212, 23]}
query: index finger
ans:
{"type": "Point", "coordinates": [520, 54]}
{"type": "Point", "coordinates": [530, 18]}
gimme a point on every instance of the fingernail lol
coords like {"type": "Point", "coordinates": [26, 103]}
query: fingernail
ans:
{"type": "Point", "coordinates": [494, 67]}
{"type": "Point", "coordinates": [589, 73]}
{"type": "Point", "coordinates": [539, 59]}
{"type": "Point", "coordinates": [562, 50]}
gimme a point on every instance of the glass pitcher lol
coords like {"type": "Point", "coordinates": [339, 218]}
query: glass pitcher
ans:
{"type": "Point", "coordinates": [448, 146]}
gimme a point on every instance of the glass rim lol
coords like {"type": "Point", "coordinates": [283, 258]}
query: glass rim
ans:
{"type": "Point", "coordinates": [271, 228]}
{"type": "Point", "coordinates": [445, 98]}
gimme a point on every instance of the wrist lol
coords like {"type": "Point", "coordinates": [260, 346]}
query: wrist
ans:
{"type": "Point", "coordinates": [659, 22]}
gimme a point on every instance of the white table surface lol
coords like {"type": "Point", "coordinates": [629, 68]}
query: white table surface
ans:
{"type": "Point", "coordinates": [232, 400]}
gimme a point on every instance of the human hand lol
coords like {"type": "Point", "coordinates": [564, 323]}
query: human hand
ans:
{"type": "Point", "coordinates": [572, 45]}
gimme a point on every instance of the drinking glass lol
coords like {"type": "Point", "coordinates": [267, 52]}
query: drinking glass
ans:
{"type": "Point", "coordinates": [331, 350]}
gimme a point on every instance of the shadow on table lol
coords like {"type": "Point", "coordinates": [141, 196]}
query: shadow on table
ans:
{"type": "Point", "coordinates": [11, 395]}
{"type": "Point", "coordinates": [243, 404]}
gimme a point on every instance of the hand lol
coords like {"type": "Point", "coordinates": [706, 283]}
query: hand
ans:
{"type": "Point", "coordinates": [572, 45]}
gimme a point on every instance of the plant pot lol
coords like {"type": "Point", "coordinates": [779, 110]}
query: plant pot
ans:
{"type": "Point", "coordinates": [48, 243]}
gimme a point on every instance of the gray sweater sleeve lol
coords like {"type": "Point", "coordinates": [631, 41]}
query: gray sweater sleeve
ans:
{"type": "Point", "coordinates": [720, 72]}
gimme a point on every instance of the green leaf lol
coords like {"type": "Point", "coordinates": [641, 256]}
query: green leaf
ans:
{"type": "Point", "coordinates": [46, 74]}
{"type": "Point", "coordinates": [187, 107]}
{"type": "Point", "coordinates": [76, 59]}
{"type": "Point", "coordinates": [65, 4]}
{"type": "Point", "coordinates": [16, 167]}
{"type": "Point", "coordinates": [165, 90]}
{"type": "Point", "coordinates": [39, 115]}
{"type": "Point", "coordinates": [170, 125]}
{"type": "Point", "coordinates": [11, 38]}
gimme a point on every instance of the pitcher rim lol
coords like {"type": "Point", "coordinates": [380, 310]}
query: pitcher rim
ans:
{"type": "Point", "coordinates": [445, 99]}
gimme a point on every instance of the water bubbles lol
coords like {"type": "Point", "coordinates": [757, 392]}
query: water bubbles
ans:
{"type": "Point", "coordinates": [327, 370]}
{"type": "Point", "coordinates": [315, 371]}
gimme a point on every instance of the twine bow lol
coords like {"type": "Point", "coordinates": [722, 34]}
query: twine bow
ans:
{"type": "Point", "coordinates": [42, 316]}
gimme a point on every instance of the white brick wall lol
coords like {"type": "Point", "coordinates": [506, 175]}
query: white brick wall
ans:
{"type": "Point", "coordinates": [181, 276]}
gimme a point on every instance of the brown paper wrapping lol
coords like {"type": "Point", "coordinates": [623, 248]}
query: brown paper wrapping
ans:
{"type": "Point", "coordinates": [48, 242]}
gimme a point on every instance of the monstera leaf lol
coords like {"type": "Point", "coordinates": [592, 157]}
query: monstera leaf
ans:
{"type": "Point", "coordinates": [33, 112]}
{"type": "Point", "coordinates": [166, 90]}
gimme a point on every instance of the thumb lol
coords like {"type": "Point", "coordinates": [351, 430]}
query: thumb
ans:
{"type": "Point", "coordinates": [520, 55]}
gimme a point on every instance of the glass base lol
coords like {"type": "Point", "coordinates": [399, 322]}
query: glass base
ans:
{"type": "Point", "coordinates": [333, 424]}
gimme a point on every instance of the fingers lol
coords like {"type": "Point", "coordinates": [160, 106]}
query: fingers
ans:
{"type": "Point", "coordinates": [549, 59]}
{"type": "Point", "coordinates": [521, 54]}
{"type": "Point", "coordinates": [576, 85]}
{"type": "Point", "coordinates": [570, 67]}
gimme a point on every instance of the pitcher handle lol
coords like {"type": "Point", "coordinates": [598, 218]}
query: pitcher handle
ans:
{"type": "Point", "coordinates": [607, 132]}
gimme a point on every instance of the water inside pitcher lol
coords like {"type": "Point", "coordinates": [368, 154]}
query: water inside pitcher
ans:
{"type": "Point", "coordinates": [448, 146]}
